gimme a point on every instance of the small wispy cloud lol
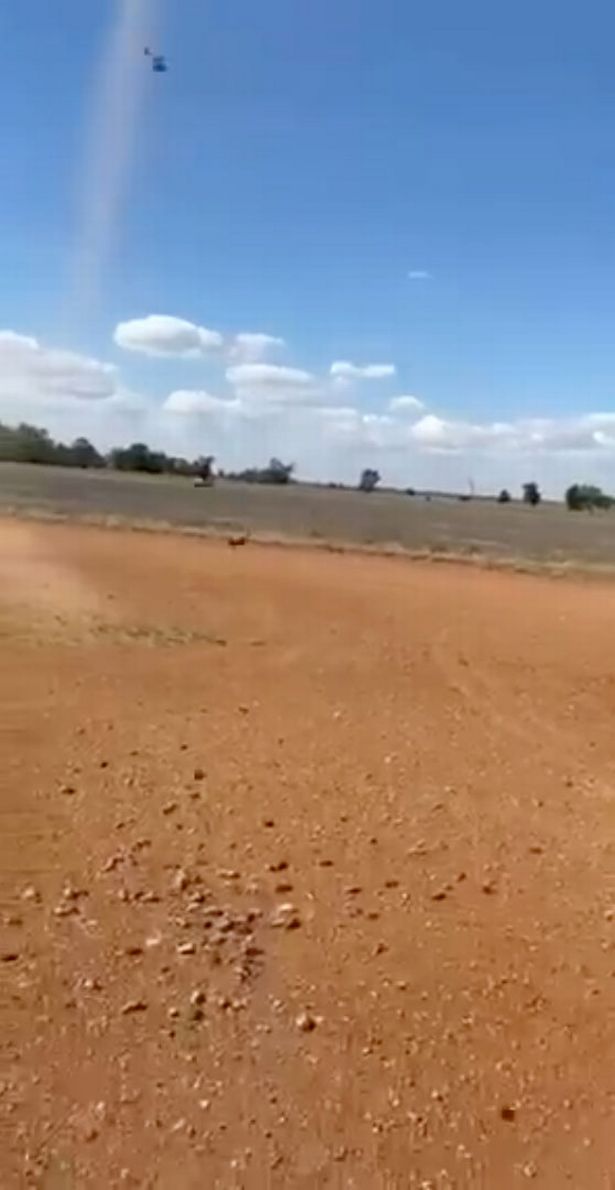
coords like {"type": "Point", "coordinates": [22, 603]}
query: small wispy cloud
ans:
{"type": "Point", "coordinates": [343, 369]}
{"type": "Point", "coordinates": [419, 275]}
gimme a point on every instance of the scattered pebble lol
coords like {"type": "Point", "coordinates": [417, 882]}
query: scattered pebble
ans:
{"type": "Point", "coordinates": [305, 1022]}
{"type": "Point", "coordinates": [113, 862]}
{"type": "Point", "coordinates": [169, 808]}
{"type": "Point", "coordinates": [285, 917]}
{"type": "Point", "coordinates": [181, 880]}
{"type": "Point", "coordinates": [132, 1006]}
{"type": "Point", "coordinates": [199, 774]}
{"type": "Point", "coordinates": [186, 948]}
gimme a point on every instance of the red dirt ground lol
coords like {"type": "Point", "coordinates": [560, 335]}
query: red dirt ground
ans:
{"type": "Point", "coordinates": [409, 768]}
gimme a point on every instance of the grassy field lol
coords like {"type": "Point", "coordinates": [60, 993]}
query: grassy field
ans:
{"type": "Point", "coordinates": [514, 532]}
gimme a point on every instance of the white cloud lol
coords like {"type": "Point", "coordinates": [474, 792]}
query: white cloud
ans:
{"type": "Point", "coordinates": [251, 347]}
{"type": "Point", "coordinates": [192, 402]}
{"type": "Point", "coordinates": [265, 408]}
{"type": "Point", "coordinates": [419, 275]}
{"type": "Point", "coordinates": [274, 384]}
{"type": "Point", "coordinates": [587, 433]}
{"type": "Point", "coordinates": [405, 405]}
{"type": "Point", "coordinates": [343, 369]}
{"type": "Point", "coordinates": [164, 335]}
{"type": "Point", "coordinates": [36, 374]}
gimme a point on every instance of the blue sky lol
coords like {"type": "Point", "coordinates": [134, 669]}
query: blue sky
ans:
{"type": "Point", "coordinates": [295, 165]}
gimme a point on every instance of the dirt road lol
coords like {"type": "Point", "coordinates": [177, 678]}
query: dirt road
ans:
{"type": "Point", "coordinates": [307, 870]}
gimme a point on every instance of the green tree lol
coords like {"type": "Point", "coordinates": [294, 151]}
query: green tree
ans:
{"type": "Point", "coordinates": [531, 494]}
{"type": "Point", "coordinates": [81, 453]}
{"type": "Point", "coordinates": [369, 480]}
{"type": "Point", "coordinates": [585, 497]}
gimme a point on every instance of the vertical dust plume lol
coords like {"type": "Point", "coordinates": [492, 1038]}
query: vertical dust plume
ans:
{"type": "Point", "coordinates": [111, 131]}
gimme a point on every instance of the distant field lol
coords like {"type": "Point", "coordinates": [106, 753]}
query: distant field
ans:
{"type": "Point", "coordinates": [546, 534]}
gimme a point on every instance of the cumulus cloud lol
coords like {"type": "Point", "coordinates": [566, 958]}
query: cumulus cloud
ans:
{"type": "Point", "coordinates": [343, 369]}
{"type": "Point", "coordinates": [274, 384]}
{"type": "Point", "coordinates": [405, 405]}
{"type": "Point", "coordinates": [36, 374]}
{"type": "Point", "coordinates": [262, 408]}
{"type": "Point", "coordinates": [251, 347]}
{"type": "Point", "coordinates": [192, 402]}
{"type": "Point", "coordinates": [165, 335]}
{"type": "Point", "coordinates": [587, 433]}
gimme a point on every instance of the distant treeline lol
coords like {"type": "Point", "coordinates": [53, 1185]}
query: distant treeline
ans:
{"type": "Point", "coordinates": [30, 444]}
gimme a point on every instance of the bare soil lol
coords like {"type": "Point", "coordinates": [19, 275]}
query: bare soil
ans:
{"type": "Point", "coordinates": [306, 868]}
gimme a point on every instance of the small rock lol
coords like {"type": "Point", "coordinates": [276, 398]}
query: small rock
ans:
{"type": "Point", "coordinates": [132, 1006]}
{"type": "Point", "coordinates": [68, 790]}
{"type": "Point", "coordinates": [280, 866]}
{"type": "Point", "coordinates": [91, 985]}
{"type": "Point", "coordinates": [305, 1022]}
{"type": "Point", "coordinates": [440, 895]}
{"type": "Point", "coordinates": [199, 774]}
{"type": "Point", "coordinates": [285, 917]}
{"type": "Point", "coordinates": [489, 887]}
{"type": "Point", "coordinates": [9, 956]}
{"type": "Point", "coordinates": [197, 997]}
{"type": "Point", "coordinates": [112, 863]}
{"type": "Point", "coordinates": [283, 887]}
{"type": "Point", "coordinates": [66, 910]}
{"type": "Point", "coordinates": [169, 808]}
{"type": "Point", "coordinates": [31, 894]}
{"type": "Point", "coordinates": [181, 880]}
{"type": "Point", "coordinates": [186, 948]}
{"type": "Point", "coordinates": [507, 1113]}
{"type": "Point", "coordinates": [268, 822]}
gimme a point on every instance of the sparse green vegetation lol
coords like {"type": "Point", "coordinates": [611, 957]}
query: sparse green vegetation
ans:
{"type": "Point", "coordinates": [585, 497]}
